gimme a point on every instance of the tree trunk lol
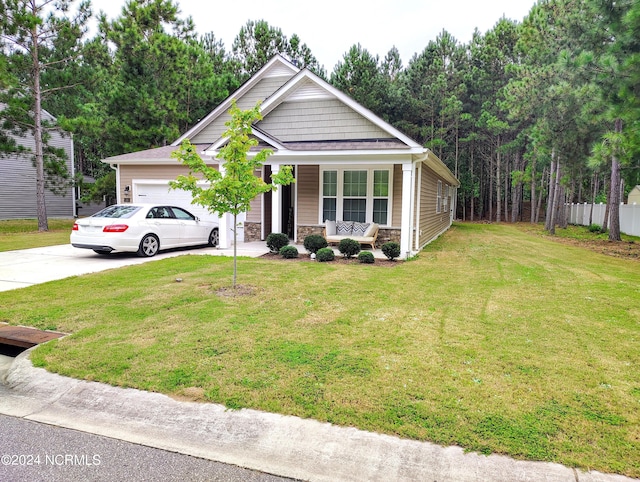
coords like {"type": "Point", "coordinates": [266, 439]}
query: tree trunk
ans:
{"type": "Point", "coordinates": [552, 176]}
{"type": "Point", "coordinates": [235, 250]}
{"type": "Point", "coordinates": [614, 228]}
{"type": "Point", "coordinates": [506, 188]}
{"type": "Point", "coordinates": [605, 222]}
{"type": "Point", "coordinates": [556, 200]}
{"type": "Point", "coordinates": [516, 192]}
{"type": "Point", "coordinates": [564, 200]}
{"type": "Point", "coordinates": [473, 185]}
{"type": "Point", "coordinates": [534, 217]}
{"type": "Point", "coordinates": [593, 197]}
{"type": "Point", "coordinates": [491, 176]}
{"type": "Point", "coordinates": [498, 185]}
{"type": "Point", "coordinates": [41, 206]}
{"type": "Point", "coordinates": [539, 206]}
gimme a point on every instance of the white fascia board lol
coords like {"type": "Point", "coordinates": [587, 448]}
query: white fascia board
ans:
{"type": "Point", "coordinates": [154, 162]}
{"type": "Point", "coordinates": [214, 149]}
{"type": "Point", "coordinates": [237, 94]}
{"type": "Point", "coordinates": [441, 168]}
{"type": "Point", "coordinates": [341, 159]}
{"type": "Point", "coordinates": [346, 154]}
{"type": "Point", "coordinates": [279, 96]}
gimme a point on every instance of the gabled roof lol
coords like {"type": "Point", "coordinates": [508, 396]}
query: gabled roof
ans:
{"type": "Point", "coordinates": [159, 154]}
{"type": "Point", "coordinates": [278, 62]}
{"type": "Point", "coordinates": [306, 75]}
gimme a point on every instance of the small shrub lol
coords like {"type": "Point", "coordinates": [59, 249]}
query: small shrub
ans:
{"type": "Point", "coordinates": [391, 250]}
{"type": "Point", "coordinates": [595, 228]}
{"type": "Point", "coordinates": [275, 241]}
{"type": "Point", "coordinates": [325, 254]}
{"type": "Point", "coordinates": [289, 252]}
{"type": "Point", "coordinates": [366, 257]}
{"type": "Point", "coordinates": [348, 247]}
{"type": "Point", "coordinates": [314, 242]}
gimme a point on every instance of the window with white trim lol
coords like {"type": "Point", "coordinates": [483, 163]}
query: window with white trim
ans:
{"type": "Point", "coordinates": [329, 194]}
{"type": "Point", "coordinates": [439, 198]}
{"type": "Point", "coordinates": [362, 195]}
{"type": "Point", "coordinates": [445, 199]}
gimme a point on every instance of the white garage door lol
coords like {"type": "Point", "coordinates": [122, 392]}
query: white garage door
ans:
{"type": "Point", "coordinates": [159, 192]}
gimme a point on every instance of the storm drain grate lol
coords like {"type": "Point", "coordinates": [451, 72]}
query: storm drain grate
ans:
{"type": "Point", "coordinates": [15, 339]}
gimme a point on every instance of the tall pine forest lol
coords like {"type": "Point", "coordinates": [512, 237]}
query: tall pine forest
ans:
{"type": "Point", "coordinates": [529, 115]}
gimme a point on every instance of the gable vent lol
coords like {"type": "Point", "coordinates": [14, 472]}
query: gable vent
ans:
{"type": "Point", "coordinates": [308, 91]}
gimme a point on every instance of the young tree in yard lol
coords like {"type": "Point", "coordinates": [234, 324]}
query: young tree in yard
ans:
{"type": "Point", "coordinates": [231, 188]}
{"type": "Point", "coordinates": [29, 31]}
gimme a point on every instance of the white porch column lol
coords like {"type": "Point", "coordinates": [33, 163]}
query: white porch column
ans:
{"type": "Point", "coordinates": [276, 203]}
{"type": "Point", "coordinates": [224, 222]}
{"type": "Point", "coordinates": [407, 209]}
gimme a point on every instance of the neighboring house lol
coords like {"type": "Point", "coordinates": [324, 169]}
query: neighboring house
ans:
{"type": "Point", "coordinates": [348, 163]}
{"type": "Point", "coordinates": [18, 181]}
{"type": "Point", "coordinates": [634, 196]}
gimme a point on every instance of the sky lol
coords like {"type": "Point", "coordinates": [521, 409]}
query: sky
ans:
{"type": "Point", "coordinates": [331, 27]}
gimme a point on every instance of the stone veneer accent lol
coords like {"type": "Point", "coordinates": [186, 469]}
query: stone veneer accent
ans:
{"type": "Point", "coordinates": [305, 230]}
{"type": "Point", "coordinates": [252, 231]}
{"type": "Point", "coordinates": [387, 235]}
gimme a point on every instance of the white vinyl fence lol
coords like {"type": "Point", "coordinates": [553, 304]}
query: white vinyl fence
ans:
{"type": "Point", "coordinates": [629, 216]}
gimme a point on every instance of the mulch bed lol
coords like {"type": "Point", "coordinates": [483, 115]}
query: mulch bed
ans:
{"type": "Point", "coordinates": [304, 258]}
{"type": "Point", "coordinates": [617, 249]}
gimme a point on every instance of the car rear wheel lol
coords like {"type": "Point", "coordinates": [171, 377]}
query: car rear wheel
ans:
{"type": "Point", "coordinates": [214, 237]}
{"type": "Point", "coordinates": [149, 246]}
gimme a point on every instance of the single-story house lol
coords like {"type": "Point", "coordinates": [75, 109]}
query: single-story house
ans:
{"type": "Point", "coordinates": [349, 164]}
{"type": "Point", "coordinates": [18, 180]}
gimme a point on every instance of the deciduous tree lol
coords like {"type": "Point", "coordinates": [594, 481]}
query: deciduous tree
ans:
{"type": "Point", "coordinates": [232, 188]}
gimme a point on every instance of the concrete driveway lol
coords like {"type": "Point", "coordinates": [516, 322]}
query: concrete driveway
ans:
{"type": "Point", "coordinates": [27, 267]}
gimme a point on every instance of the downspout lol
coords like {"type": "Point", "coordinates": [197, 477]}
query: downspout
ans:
{"type": "Point", "coordinates": [413, 223]}
{"type": "Point", "coordinates": [418, 200]}
{"type": "Point", "coordinates": [115, 168]}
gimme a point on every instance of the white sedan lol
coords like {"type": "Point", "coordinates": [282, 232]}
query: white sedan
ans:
{"type": "Point", "coordinates": [143, 229]}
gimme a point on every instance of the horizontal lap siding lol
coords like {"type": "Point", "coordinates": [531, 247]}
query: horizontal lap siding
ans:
{"type": "Point", "coordinates": [431, 223]}
{"type": "Point", "coordinates": [397, 196]}
{"type": "Point", "coordinates": [255, 210]}
{"type": "Point", "coordinates": [319, 120]}
{"type": "Point", "coordinates": [308, 189]}
{"type": "Point", "coordinates": [260, 91]}
{"type": "Point", "coordinates": [18, 184]}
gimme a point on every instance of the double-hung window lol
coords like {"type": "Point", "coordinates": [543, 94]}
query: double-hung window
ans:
{"type": "Point", "coordinates": [362, 195]}
{"type": "Point", "coordinates": [354, 193]}
{"type": "Point", "coordinates": [439, 198]}
{"type": "Point", "coordinates": [329, 194]}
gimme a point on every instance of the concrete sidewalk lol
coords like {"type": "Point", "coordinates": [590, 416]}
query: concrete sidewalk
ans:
{"type": "Point", "coordinates": [276, 444]}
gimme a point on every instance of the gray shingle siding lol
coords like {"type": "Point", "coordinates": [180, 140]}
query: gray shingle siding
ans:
{"type": "Point", "coordinates": [262, 90]}
{"type": "Point", "coordinates": [18, 183]}
{"type": "Point", "coordinates": [317, 120]}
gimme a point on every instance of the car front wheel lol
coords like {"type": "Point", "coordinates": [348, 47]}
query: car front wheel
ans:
{"type": "Point", "coordinates": [149, 246]}
{"type": "Point", "coordinates": [214, 238]}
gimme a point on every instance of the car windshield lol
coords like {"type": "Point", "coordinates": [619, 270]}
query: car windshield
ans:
{"type": "Point", "coordinates": [116, 212]}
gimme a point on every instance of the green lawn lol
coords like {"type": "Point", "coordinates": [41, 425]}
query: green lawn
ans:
{"type": "Point", "coordinates": [494, 339]}
{"type": "Point", "coordinates": [23, 233]}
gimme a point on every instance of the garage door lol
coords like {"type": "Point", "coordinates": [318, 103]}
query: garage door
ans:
{"type": "Point", "coordinates": [158, 192]}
